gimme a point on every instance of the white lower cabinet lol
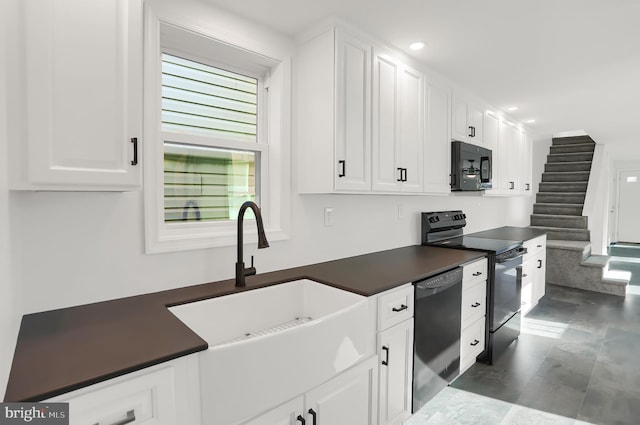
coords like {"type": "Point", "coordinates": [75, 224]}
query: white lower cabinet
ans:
{"type": "Point", "coordinates": [166, 394]}
{"type": "Point", "coordinates": [395, 354]}
{"type": "Point", "coordinates": [533, 272]}
{"type": "Point", "coordinates": [348, 399]}
{"type": "Point", "coordinates": [474, 311]}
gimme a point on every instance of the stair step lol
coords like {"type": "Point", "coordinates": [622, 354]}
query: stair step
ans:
{"type": "Point", "coordinates": [582, 246]}
{"type": "Point", "coordinates": [558, 209]}
{"type": "Point", "coordinates": [559, 221]}
{"type": "Point", "coordinates": [594, 260]}
{"type": "Point", "coordinates": [560, 198]}
{"type": "Point", "coordinates": [569, 157]}
{"type": "Point", "coordinates": [567, 166]}
{"type": "Point", "coordinates": [565, 234]}
{"type": "Point", "coordinates": [571, 140]}
{"type": "Point", "coordinates": [563, 187]}
{"type": "Point", "coordinates": [579, 147]}
{"type": "Point", "coordinates": [565, 176]}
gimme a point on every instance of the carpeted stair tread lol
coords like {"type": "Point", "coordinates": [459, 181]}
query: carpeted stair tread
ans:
{"type": "Point", "coordinates": [560, 198]}
{"type": "Point", "coordinates": [572, 140]}
{"type": "Point", "coordinates": [568, 245]}
{"type": "Point", "coordinates": [552, 167]}
{"type": "Point", "coordinates": [564, 233]}
{"type": "Point", "coordinates": [576, 148]}
{"type": "Point", "coordinates": [565, 176]}
{"type": "Point", "coordinates": [557, 209]}
{"type": "Point", "coordinates": [559, 221]}
{"type": "Point", "coordinates": [596, 261]}
{"type": "Point", "coordinates": [570, 157]}
{"type": "Point", "coordinates": [575, 187]}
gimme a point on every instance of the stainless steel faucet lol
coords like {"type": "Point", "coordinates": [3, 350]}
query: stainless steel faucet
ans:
{"type": "Point", "coordinates": [241, 271]}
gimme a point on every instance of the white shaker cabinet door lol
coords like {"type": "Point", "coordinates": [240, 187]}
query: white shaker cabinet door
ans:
{"type": "Point", "coordinates": [411, 132]}
{"type": "Point", "coordinates": [84, 94]}
{"type": "Point", "coordinates": [353, 113]}
{"type": "Point", "coordinates": [348, 399]}
{"type": "Point", "coordinates": [386, 126]}
{"type": "Point", "coordinates": [395, 352]}
{"type": "Point", "coordinates": [437, 151]}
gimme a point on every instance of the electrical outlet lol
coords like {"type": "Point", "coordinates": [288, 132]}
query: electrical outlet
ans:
{"type": "Point", "coordinates": [328, 216]}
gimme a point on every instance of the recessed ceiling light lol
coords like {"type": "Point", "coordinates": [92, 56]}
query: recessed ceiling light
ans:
{"type": "Point", "coordinates": [530, 121]}
{"type": "Point", "coordinates": [417, 45]}
{"type": "Point", "coordinates": [512, 108]}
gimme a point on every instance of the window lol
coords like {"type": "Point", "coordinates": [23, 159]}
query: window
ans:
{"type": "Point", "coordinates": [201, 182]}
{"type": "Point", "coordinates": [216, 119]}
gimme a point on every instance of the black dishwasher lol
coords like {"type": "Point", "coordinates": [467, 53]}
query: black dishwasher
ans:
{"type": "Point", "coordinates": [436, 354]}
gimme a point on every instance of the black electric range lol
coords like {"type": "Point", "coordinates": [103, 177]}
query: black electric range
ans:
{"type": "Point", "coordinates": [504, 281]}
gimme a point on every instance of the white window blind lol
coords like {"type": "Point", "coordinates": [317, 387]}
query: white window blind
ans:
{"type": "Point", "coordinates": [207, 182]}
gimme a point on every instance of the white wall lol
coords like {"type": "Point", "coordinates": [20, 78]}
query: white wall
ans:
{"type": "Point", "coordinates": [76, 248]}
{"type": "Point", "coordinates": [9, 301]}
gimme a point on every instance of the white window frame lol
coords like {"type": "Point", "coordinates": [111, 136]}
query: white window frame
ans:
{"type": "Point", "coordinates": [178, 36]}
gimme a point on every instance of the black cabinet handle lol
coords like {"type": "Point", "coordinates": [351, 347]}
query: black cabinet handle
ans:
{"type": "Point", "coordinates": [134, 140]}
{"type": "Point", "coordinates": [386, 361]}
{"type": "Point", "coordinates": [471, 131]}
{"type": "Point", "coordinates": [475, 342]}
{"type": "Point", "coordinates": [404, 174]}
{"type": "Point", "coordinates": [539, 264]}
{"type": "Point", "coordinates": [402, 307]}
{"type": "Point", "coordinates": [477, 273]}
{"type": "Point", "coordinates": [524, 275]}
{"type": "Point", "coordinates": [131, 416]}
{"type": "Point", "coordinates": [313, 416]}
{"type": "Point", "coordinates": [476, 304]}
{"type": "Point", "coordinates": [400, 174]}
{"type": "Point", "coordinates": [538, 246]}
{"type": "Point", "coordinates": [512, 185]}
{"type": "Point", "coordinates": [301, 419]}
{"type": "Point", "coordinates": [452, 178]}
{"type": "Point", "coordinates": [343, 168]}
{"type": "Point", "coordinates": [528, 186]}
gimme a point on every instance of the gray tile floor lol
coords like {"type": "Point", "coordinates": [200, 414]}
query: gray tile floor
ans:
{"type": "Point", "coordinates": [577, 361]}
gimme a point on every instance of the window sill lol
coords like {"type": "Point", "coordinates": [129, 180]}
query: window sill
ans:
{"type": "Point", "coordinates": [167, 244]}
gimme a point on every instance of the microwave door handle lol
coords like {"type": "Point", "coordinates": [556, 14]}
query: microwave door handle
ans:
{"type": "Point", "coordinates": [485, 177]}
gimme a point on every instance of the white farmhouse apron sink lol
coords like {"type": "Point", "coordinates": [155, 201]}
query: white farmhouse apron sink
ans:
{"type": "Point", "coordinates": [271, 344]}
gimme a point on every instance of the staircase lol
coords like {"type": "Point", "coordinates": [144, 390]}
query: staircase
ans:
{"type": "Point", "coordinates": [558, 212]}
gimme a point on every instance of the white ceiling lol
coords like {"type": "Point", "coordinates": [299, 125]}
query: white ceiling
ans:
{"type": "Point", "coordinates": [568, 64]}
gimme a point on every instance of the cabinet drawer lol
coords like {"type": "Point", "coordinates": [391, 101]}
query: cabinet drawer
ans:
{"type": "Point", "coordinates": [474, 303]}
{"type": "Point", "coordinates": [474, 272]}
{"type": "Point", "coordinates": [472, 340]}
{"type": "Point", "coordinates": [536, 245]}
{"type": "Point", "coordinates": [149, 397]}
{"type": "Point", "coordinates": [395, 306]}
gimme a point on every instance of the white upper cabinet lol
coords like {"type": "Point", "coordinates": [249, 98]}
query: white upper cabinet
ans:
{"type": "Point", "coordinates": [333, 113]}
{"type": "Point", "coordinates": [511, 147]}
{"type": "Point", "coordinates": [437, 148]}
{"type": "Point", "coordinates": [398, 125]}
{"type": "Point", "coordinates": [84, 95]}
{"type": "Point", "coordinates": [466, 121]}
{"type": "Point", "coordinates": [526, 156]}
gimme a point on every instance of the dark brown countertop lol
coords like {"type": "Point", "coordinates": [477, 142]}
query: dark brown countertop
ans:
{"type": "Point", "coordinates": [62, 350]}
{"type": "Point", "coordinates": [510, 233]}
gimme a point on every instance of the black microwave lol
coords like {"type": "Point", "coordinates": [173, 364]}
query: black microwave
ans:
{"type": "Point", "coordinates": [470, 167]}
